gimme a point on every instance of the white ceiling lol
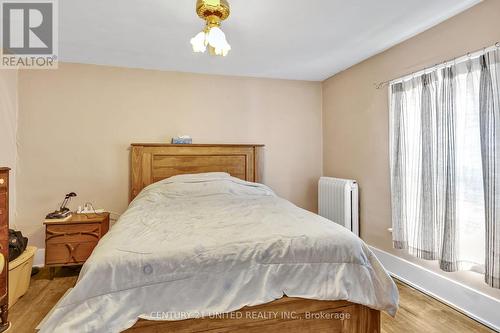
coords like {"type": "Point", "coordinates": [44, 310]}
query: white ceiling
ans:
{"type": "Point", "coordinates": [289, 39]}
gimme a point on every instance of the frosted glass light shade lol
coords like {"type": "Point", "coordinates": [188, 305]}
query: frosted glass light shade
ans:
{"type": "Point", "coordinates": [215, 38]}
{"type": "Point", "coordinates": [199, 42]}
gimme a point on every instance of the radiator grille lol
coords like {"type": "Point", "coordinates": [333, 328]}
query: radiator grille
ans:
{"type": "Point", "coordinates": [338, 202]}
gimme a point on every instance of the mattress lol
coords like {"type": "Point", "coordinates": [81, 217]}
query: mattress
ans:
{"type": "Point", "coordinates": [198, 245]}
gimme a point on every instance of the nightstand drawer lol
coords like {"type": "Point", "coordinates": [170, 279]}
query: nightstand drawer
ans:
{"type": "Point", "coordinates": [68, 253]}
{"type": "Point", "coordinates": [88, 232]}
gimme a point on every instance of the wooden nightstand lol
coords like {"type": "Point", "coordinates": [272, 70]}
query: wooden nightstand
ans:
{"type": "Point", "coordinates": [70, 243]}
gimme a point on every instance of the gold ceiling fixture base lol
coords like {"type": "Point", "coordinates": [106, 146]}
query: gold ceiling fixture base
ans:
{"type": "Point", "coordinates": [213, 11]}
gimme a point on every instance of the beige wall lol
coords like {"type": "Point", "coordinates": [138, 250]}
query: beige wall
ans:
{"type": "Point", "coordinates": [356, 119]}
{"type": "Point", "coordinates": [8, 130]}
{"type": "Point", "coordinates": [76, 124]}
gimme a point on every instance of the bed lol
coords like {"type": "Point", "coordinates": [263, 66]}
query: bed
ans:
{"type": "Point", "coordinates": [204, 247]}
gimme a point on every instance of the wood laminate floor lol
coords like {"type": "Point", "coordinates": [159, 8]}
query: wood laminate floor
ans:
{"type": "Point", "coordinates": [417, 313]}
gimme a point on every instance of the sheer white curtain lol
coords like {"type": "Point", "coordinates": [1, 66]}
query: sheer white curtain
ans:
{"type": "Point", "coordinates": [489, 116]}
{"type": "Point", "coordinates": [444, 127]}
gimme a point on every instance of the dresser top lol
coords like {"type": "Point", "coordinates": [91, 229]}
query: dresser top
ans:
{"type": "Point", "coordinates": [82, 218]}
{"type": "Point", "coordinates": [196, 145]}
{"type": "Point", "coordinates": [4, 169]}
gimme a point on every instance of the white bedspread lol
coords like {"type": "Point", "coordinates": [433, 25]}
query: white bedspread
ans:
{"type": "Point", "coordinates": [196, 245]}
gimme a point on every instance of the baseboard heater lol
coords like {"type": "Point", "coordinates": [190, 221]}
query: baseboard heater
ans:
{"type": "Point", "coordinates": [338, 202]}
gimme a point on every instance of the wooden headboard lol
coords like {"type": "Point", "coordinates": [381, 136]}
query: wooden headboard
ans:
{"type": "Point", "coordinates": [153, 162]}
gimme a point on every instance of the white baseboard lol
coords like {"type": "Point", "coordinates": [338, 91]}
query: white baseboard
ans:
{"type": "Point", "coordinates": [483, 308]}
{"type": "Point", "coordinates": [39, 260]}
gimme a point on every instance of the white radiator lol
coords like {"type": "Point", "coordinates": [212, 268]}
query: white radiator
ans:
{"type": "Point", "coordinates": [338, 201]}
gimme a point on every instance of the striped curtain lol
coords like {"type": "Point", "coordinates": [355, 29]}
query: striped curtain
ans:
{"type": "Point", "coordinates": [489, 111]}
{"type": "Point", "coordinates": [445, 153]}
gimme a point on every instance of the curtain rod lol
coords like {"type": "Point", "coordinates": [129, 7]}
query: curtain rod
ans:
{"type": "Point", "coordinates": [439, 65]}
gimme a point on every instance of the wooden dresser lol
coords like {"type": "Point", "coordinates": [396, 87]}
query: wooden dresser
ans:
{"type": "Point", "coordinates": [70, 243]}
{"type": "Point", "coordinates": [4, 246]}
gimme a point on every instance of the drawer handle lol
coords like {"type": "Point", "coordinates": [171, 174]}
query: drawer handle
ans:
{"type": "Point", "coordinates": [2, 181]}
{"type": "Point", "coordinates": [72, 249]}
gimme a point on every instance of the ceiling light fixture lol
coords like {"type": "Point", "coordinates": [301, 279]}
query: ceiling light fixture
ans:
{"type": "Point", "coordinates": [212, 37]}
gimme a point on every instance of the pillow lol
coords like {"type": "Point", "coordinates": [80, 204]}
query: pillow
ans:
{"type": "Point", "coordinates": [206, 175]}
{"type": "Point", "coordinates": [203, 184]}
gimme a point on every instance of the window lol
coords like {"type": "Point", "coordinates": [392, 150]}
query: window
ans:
{"type": "Point", "coordinates": [445, 153]}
